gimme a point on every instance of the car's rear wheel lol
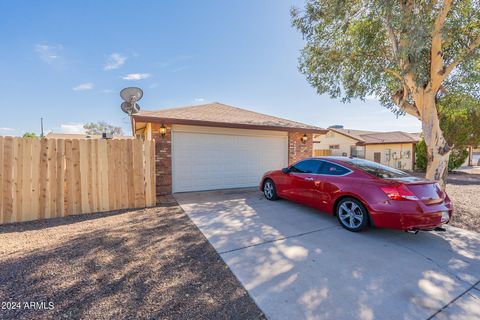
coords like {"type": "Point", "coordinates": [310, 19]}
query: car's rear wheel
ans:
{"type": "Point", "coordinates": [269, 190]}
{"type": "Point", "coordinates": [352, 214]}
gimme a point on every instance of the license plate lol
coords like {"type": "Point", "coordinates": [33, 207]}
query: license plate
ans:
{"type": "Point", "coordinates": [445, 216]}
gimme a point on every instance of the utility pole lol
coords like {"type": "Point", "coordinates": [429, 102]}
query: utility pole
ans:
{"type": "Point", "coordinates": [41, 127]}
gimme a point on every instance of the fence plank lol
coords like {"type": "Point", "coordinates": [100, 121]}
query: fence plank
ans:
{"type": "Point", "coordinates": [26, 195]}
{"type": "Point", "coordinates": [146, 171]}
{"type": "Point", "coordinates": [84, 172]}
{"type": "Point", "coordinates": [35, 200]}
{"type": "Point", "coordinates": [153, 176]}
{"type": "Point", "coordinates": [92, 176]}
{"type": "Point", "coordinates": [42, 180]}
{"type": "Point", "coordinates": [104, 157]}
{"type": "Point", "coordinates": [129, 173]}
{"type": "Point", "coordinates": [1, 179]}
{"type": "Point", "coordinates": [77, 190]}
{"type": "Point", "coordinates": [7, 179]}
{"type": "Point", "coordinates": [52, 178]}
{"type": "Point", "coordinates": [138, 169]}
{"type": "Point", "coordinates": [69, 178]}
{"type": "Point", "coordinates": [60, 177]}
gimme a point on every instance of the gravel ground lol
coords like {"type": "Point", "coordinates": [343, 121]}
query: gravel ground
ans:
{"type": "Point", "coordinates": [464, 191]}
{"type": "Point", "coordinates": [148, 264]}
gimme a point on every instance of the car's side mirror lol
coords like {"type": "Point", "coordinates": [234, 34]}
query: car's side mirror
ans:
{"type": "Point", "coordinates": [286, 170]}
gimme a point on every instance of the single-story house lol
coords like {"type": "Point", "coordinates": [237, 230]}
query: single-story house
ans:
{"type": "Point", "coordinates": [217, 146]}
{"type": "Point", "coordinates": [395, 149]}
{"type": "Point", "coordinates": [52, 135]}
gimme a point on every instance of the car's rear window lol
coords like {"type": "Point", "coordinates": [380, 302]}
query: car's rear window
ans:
{"type": "Point", "coordinates": [377, 169]}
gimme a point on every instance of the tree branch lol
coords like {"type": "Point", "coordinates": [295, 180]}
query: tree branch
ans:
{"type": "Point", "coordinates": [436, 55]}
{"type": "Point", "coordinates": [474, 45]}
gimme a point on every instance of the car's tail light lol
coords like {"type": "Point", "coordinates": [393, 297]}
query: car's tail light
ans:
{"type": "Point", "coordinates": [399, 192]}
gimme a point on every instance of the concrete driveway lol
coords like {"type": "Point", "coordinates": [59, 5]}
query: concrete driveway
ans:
{"type": "Point", "coordinates": [299, 263]}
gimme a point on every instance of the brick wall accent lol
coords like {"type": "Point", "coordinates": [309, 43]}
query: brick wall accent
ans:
{"type": "Point", "coordinates": [297, 150]}
{"type": "Point", "coordinates": [163, 160]}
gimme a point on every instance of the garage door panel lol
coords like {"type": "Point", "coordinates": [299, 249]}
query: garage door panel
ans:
{"type": "Point", "coordinates": [202, 161]}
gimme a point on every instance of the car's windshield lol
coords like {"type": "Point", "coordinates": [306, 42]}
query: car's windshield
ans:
{"type": "Point", "coordinates": [377, 169]}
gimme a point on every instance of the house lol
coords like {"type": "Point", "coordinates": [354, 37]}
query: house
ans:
{"type": "Point", "coordinates": [395, 149]}
{"type": "Point", "coordinates": [52, 135]}
{"type": "Point", "coordinates": [217, 146]}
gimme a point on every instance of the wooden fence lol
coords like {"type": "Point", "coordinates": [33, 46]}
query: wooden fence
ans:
{"type": "Point", "coordinates": [322, 152]}
{"type": "Point", "coordinates": [45, 178]}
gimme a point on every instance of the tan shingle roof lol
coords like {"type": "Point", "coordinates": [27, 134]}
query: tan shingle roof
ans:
{"type": "Point", "coordinates": [373, 137]}
{"type": "Point", "coordinates": [219, 113]}
{"type": "Point", "coordinates": [52, 135]}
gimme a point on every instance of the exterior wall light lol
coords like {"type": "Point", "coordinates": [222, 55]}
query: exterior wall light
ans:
{"type": "Point", "coordinates": [163, 130]}
{"type": "Point", "coordinates": [304, 139]}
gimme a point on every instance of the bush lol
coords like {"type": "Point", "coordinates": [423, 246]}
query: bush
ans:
{"type": "Point", "coordinates": [457, 157]}
{"type": "Point", "coordinates": [421, 160]}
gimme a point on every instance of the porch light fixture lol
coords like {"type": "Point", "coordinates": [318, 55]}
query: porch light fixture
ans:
{"type": "Point", "coordinates": [304, 139]}
{"type": "Point", "coordinates": [163, 130]}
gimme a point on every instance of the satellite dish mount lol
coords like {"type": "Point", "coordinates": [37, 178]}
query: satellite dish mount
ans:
{"type": "Point", "coordinates": [130, 96]}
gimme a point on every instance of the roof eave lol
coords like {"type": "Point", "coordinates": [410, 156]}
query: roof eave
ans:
{"type": "Point", "coordinates": [155, 119]}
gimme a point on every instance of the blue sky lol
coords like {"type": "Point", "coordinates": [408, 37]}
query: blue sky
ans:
{"type": "Point", "coordinates": [66, 61]}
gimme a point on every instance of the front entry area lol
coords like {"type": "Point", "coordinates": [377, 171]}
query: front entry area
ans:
{"type": "Point", "coordinates": [206, 158]}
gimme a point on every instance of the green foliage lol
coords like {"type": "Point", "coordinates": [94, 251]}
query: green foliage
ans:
{"type": "Point", "coordinates": [460, 119]}
{"type": "Point", "coordinates": [421, 160]}
{"type": "Point", "coordinates": [29, 135]}
{"type": "Point", "coordinates": [101, 127]}
{"type": "Point", "coordinates": [457, 157]}
{"type": "Point", "coordinates": [349, 52]}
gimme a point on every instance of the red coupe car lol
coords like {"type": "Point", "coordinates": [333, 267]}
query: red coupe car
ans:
{"type": "Point", "coordinates": [361, 193]}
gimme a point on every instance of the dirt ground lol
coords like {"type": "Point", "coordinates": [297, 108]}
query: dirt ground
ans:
{"type": "Point", "coordinates": [464, 191]}
{"type": "Point", "coordinates": [147, 264]}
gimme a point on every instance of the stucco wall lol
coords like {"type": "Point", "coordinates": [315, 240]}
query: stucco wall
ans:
{"type": "Point", "coordinates": [326, 140]}
{"type": "Point", "coordinates": [398, 153]}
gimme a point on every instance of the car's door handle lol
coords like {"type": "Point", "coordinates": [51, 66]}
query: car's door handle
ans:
{"type": "Point", "coordinates": [309, 179]}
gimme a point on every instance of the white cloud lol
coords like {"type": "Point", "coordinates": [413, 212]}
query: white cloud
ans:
{"type": "Point", "coordinates": [199, 100]}
{"type": "Point", "coordinates": [72, 128]}
{"type": "Point", "coordinates": [49, 53]}
{"type": "Point", "coordinates": [106, 91]}
{"type": "Point", "coordinates": [83, 86]}
{"type": "Point", "coordinates": [115, 61]}
{"type": "Point", "coordinates": [7, 129]}
{"type": "Point", "coordinates": [136, 76]}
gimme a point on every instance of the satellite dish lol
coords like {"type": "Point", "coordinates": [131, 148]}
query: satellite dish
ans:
{"type": "Point", "coordinates": [131, 95]}
{"type": "Point", "coordinates": [127, 107]}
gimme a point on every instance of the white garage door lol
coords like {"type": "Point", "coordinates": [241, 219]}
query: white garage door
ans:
{"type": "Point", "coordinates": [208, 158]}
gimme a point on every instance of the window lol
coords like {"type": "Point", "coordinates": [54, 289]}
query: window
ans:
{"type": "Point", "coordinates": [334, 146]}
{"type": "Point", "coordinates": [332, 169]}
{"type": "Point", "coordinates": [377, 169]}
{"type": "Point", "coordinates": [306, 166]}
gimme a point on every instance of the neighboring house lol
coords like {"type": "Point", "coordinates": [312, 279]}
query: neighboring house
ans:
{"type": "Point", "coordinates": [52, 135]}
{"type": "Point", "coordinates": [395, 149]}
{"type": "Point", "coordinates": [217, 146]}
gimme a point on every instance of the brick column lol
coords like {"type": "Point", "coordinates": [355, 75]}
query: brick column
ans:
{"type": "Point", "coordinates": [163, 160]}
{"type": "Point", "coordinates": [297, 150]}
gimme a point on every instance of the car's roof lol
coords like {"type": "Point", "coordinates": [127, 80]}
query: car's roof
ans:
{"type": "Point", "coordinates": [334, 158]}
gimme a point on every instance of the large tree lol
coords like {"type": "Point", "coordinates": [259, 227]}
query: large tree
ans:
{"type": "Point", "coordinates": [408, 53]}
{"type": "Point", "coordinates": [102, 127]}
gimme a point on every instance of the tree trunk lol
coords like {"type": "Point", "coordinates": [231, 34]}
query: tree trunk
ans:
{"type": "Point", "coordinates": [438, 150]}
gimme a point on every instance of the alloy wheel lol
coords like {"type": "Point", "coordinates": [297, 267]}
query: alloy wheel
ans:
{"type": "Point", "coordinates": [350, 214]}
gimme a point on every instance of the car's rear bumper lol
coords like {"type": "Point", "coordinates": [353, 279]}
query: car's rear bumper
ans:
{"type": "Point", "coordinates": [417, 218]}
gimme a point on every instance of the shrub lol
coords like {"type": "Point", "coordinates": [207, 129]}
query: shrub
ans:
{"type": "Point", "coordinates": [457, 157]}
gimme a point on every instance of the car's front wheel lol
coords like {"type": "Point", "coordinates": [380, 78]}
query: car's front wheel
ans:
{"type": "Point", "coordinates": [269, 190]}
{"type": "Point", "coordinates": [352, 214]}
